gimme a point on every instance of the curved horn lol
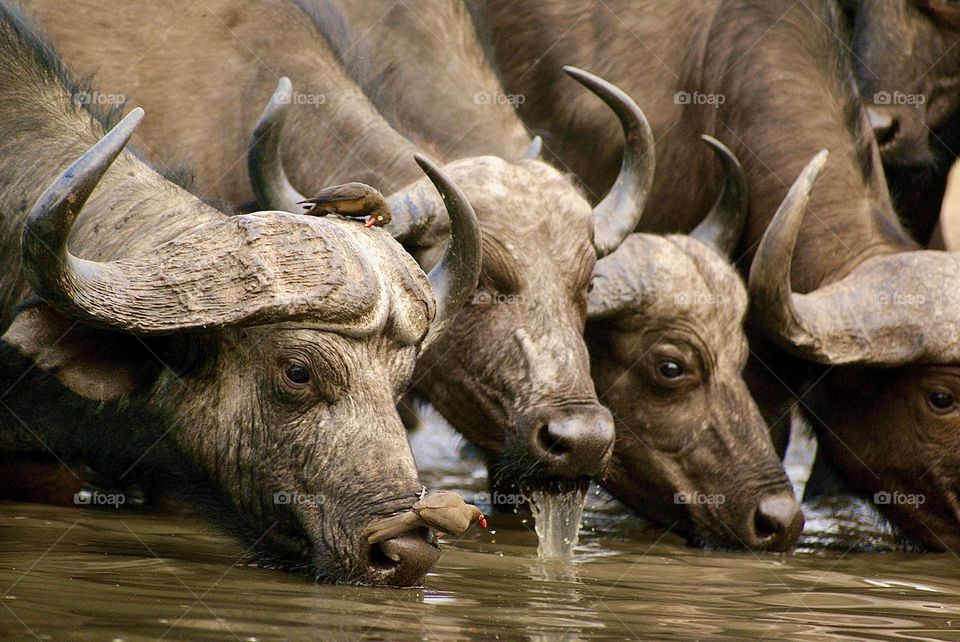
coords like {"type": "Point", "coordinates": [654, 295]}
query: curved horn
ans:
{"type": "Point", "coordinates": [890, 310]}
{"type": "Point", "coordinates": [771, 292]}
{"type": "Point", "coordinates": [48, 265]}
{"type": "Point", "coordinates": [619, 212]}
{"type": "Point", "coordinates": [227, 270]}
{"type": "Point", "coordinates": [413, 214]}
{"type": "Point", "coordinates": [534, 150]}
{"type": "Point", "coordinates": [455, 277]}
{"type": "Point", "coordinates": [271, 187]}
{"type": "Point", "coordinates": [723, 225]}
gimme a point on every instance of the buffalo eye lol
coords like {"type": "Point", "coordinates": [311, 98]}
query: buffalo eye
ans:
{"type": "Point", "coordinates": [670, 370]}
{"type": "Point", "coordinates": [940, 401]}
{"type": "Point", "coordinates": [296, 374]}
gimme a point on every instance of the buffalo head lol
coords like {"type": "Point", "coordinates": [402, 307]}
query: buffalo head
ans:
{"type": "Point", "coordinates": [668, 349]}
{"type": "Point", "coordinates": [512, 373]}
{"type": "Point", "coordinates": [264, 353]}
{"type": "Point", "coordinates": [885, 408]}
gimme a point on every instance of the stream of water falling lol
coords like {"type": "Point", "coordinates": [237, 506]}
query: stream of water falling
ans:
{"type": "Point", "coordinates": [557, 521]}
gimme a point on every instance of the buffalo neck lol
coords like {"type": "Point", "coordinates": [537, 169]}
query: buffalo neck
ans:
{"type": "Point", "coordinates": [769, 78]}
{"type": "Point", "coordinates": [788, 93]}
{"type": "Point", "coordinates": [333, 134]}
{"type": "Point", "coordinates": [347, 140]}
{"type": "Point", "coordinates": [424, 67]}
{"type": "Point", "coordinates": [227, 67]}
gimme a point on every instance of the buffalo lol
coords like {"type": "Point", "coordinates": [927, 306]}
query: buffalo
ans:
{"type": "Point", "coordinates": [872, 329]}
{"type": "Point", "coordinates": [513, 372]}
{"type": "Point", "coordinates": [692, 451]}
{"type": "Point", "coordinates": [251, 363]}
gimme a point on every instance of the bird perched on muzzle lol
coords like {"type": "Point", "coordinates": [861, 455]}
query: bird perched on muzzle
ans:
{"type": "Point", "coordinates": [444, 512]}
{"type": "Point", "coordinates": [353, 200]}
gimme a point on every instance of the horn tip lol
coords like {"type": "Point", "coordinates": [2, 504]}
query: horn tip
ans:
{"type": "Point", "coordinates": [130, 122]}
{"type": "Point", "coordinates": [816, 165]}
{"type": "Point", "coordinates": [283, 93]}
{"type": "Point", "coordinates": [425, 163]}
{"type": "Point", "coordinates": [534, 149]}
{"type": "Point", "coordinates": [724, 153]}
{"type": "Point", "coordinates": [713, 142]}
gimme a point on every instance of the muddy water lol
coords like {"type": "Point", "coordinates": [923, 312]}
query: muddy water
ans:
{"type": "Point", "coordinates": [105, 574]}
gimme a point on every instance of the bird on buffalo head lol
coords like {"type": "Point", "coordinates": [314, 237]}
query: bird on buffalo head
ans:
{"type": "Point", "coordinates": [353, 200]}
{"type": "Point", "coordinates": [444, 512]}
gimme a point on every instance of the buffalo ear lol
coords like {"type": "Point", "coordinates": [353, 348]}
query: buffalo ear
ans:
{"type": "Point", "coordinates": [96, 364]}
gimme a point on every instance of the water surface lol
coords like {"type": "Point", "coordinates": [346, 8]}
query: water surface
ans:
{"type": "Point", "coordinates": [105, 574]}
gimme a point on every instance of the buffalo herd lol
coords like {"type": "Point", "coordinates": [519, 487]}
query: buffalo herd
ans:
{"type": "Point", "coordinates": [629, 242]}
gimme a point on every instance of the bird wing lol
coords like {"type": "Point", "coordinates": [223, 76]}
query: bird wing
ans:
{"type": "Point", "coordinates": [455, 521]}
{"type": "Point", "coordinates": [440, 499]}
{"type": "Point", "coordinates": [341, 194]}
{"type": "Point", "coordinates": [390, 527]}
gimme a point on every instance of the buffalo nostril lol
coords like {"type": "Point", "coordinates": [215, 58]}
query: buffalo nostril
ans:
{"type": "Point", "coordinates": [403, 560]}
{"type": "Point", "coordinates": [551, 441]}
{"type": "Point", "coordinates": [777, 521]}
{"type": "Point", "coordinates": [575, 443]}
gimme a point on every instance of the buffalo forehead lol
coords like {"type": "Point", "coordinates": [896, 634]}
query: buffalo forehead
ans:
{"type": "Point", "coordinates": [677, 278]}
{"type": "Point", "coordinates": [527, 198]}
{"type": "Point", "coordinates": [302, 267]}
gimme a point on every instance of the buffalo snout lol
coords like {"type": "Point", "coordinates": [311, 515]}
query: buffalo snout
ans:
{"type": "Point", "coordinates": [403, 560]}
{"type": "Point", "coordinates": [776, 522]}
{"type": "Point", "coordinates": [572, 442]}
